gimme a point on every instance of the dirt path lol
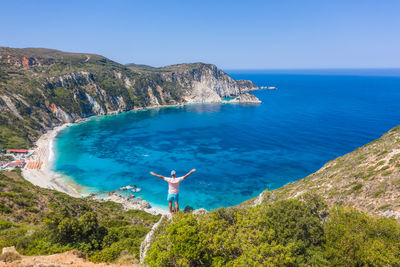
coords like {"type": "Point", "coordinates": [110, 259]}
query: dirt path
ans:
{"type": "Point", "coordinates": [71, 258]}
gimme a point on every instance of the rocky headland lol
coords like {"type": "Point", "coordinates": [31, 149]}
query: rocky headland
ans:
{"type": "Point", "coordinates": [43, 88]}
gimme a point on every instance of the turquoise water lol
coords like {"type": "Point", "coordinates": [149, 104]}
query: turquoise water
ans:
{"type": "Point", "coordinates": [228, 98]}
{"type": "Point", "coordinates": [238, 150]}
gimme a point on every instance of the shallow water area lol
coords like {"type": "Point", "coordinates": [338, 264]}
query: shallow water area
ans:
{"type": "Point", "coordinates": [238, 150]}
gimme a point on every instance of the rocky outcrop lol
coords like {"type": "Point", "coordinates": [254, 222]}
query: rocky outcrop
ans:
{"type": "Point", "coordinates": [199, 211]}
{"type": "Point", "coordinates": [245, 98]}
{"type": "Point", "coordinates": [20, 61]}
{"type": "Point", "coordinates": [205, 83]}
{"type": "Point", "coordinates": [247, 84]}
{"type": "Point", "coordinates": [61, 114]}
{"type": "Point", "coordinates": [129, 203]}
{"type": "Point", "coordinates": [11, 106]}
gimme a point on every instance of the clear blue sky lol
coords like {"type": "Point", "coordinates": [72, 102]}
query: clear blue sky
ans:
{"type": "Point", "coordinates": [231, 34]}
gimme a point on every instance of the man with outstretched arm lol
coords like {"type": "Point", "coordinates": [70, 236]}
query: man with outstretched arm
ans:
{"type": "Point", "coordinates": [173, 188]}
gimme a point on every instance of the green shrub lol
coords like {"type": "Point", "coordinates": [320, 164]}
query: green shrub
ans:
{"type": "Point", "coordinates": [355, 189]}
{"type": "Point", "coordinates": [4, 208]}
{"type": "Point", "coordinates": [387, 173]}
{"type": "Point", "coordinates": [355, 239]}
{"type": "Point", "coordinates": [142, 215]}
{"type": "Point", "coordinates": [108, 254]}
{"type": "Point", "coordinates": [6, 224]}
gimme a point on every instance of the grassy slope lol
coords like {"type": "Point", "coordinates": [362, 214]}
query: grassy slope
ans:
{"type": "Point", "coordinates": [24, 209]}
{"type": "Point", "coordinates": [367, 179]}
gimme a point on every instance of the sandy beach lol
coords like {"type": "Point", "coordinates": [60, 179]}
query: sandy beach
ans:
{"type": "Point", "coordinates": [45, 177]}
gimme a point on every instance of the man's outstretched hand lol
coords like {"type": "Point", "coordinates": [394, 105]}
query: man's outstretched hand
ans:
{"type": "Point", "coordinates": [193, 170]}
{"type": "Point", "coordinates": [152, 173]}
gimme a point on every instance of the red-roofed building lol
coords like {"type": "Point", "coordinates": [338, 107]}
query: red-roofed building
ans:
{"type": "Point", "coordinates": [18, 163]}
{"type": "Point", "coordinates": [23, 151]}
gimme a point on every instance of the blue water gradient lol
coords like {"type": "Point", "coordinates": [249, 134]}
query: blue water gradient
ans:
{"type": "Point", "coordinates": [238, 150]}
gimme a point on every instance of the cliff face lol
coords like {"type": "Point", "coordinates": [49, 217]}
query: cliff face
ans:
{"type": "Point", "coordinates": [205, 82]}
{"type": "Point", "coordinates": [41, 88]}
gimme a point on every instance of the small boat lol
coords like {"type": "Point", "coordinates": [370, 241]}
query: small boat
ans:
{"type": "Point", "coordinates": [136, 190]}
{"type": "Point", "coordinates": [269, 87]}
{"type": "Point", "coordinates": [128, 187]}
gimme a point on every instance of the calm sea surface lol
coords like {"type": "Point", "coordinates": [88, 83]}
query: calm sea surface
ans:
{"type": "Point", "coordinates": [238, 150]}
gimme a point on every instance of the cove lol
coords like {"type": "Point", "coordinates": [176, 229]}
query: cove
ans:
{"type": "Point", "coordinates": [238, 150]}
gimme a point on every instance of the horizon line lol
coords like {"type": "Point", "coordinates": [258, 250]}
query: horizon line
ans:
{"type": "Point", "coordinates": [229, 68]}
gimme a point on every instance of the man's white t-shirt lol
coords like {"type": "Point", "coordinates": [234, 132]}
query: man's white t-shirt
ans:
{"type": "Point", "coordinates": [173, 184]}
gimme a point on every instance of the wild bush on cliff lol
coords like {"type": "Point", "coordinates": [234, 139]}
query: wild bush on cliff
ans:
{"type": "Point", "coordinates": [62, 231]}
{"type": "Point", "coordinates": [355, 239]}
{"type": "Point", "coordinates": [284, 233]}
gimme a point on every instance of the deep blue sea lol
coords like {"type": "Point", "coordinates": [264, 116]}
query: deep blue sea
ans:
{"type": "Point", "coordinates": [238, 150]}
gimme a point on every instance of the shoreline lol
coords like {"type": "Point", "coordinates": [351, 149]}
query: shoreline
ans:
{"type": "Point", "coordinates": [45, 177]}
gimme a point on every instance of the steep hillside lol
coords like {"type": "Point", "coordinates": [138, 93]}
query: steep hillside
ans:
{"type": "Point", "coordinates": [41, 221]}
{"type": "Point", "coordinates": [41, 88]}
{"type": "Point", "coordinates": [367, 179]}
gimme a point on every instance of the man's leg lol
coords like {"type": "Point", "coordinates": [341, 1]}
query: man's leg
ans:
{"type": "Point", "coordinates": [176, 206]}
{"type": "Point", "coordinates": [170, 206]}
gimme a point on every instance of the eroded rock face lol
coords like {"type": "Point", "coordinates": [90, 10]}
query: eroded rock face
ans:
{"type": "Point", "coordinates": [21, 61]}
{"type": "Point", "coordinates": [205, 83]}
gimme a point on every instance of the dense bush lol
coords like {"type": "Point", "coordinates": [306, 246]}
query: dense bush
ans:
{"type": "Point", "coordinates": [62, 232]}
{"type": "Point", "coordinates": [284, 233]}
{"type": "Point", "coordinates": [355, 239]}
